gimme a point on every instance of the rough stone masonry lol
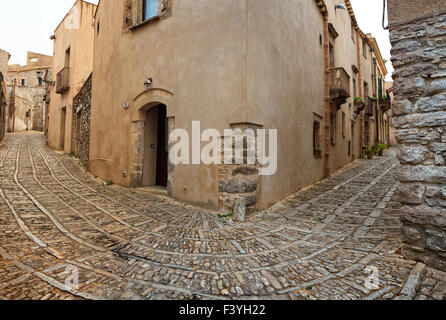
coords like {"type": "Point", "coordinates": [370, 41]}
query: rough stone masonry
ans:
{"type": "Point", "coordinates": [419, 57]}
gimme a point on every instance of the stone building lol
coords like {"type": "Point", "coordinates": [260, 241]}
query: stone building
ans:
{"type": "Point", "coordinates": [72, 65]}
{"type": "Point", "coordinates": [392, 131]}
{"type": "Point", "coordinates": [81, 123]}
{"type": "Point", "coordinates": [302, 67]}
{"type": "Point", "coordinates": [27, 89]}
{"type": "Point", "coordinates": [4, 98]}
{"type": "Point", "coordinates": [418, 36]}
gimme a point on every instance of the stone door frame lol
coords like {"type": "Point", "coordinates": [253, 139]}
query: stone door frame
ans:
{"type": "Point", "coordinates": [142, 103]}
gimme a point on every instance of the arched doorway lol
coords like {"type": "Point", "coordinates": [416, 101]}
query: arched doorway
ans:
{"type": "Point", "coordinates": [155, 163]}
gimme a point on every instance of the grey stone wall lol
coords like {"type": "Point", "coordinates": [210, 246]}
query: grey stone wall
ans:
{"type": "Point", "coordinates": [238, 181]}
{"type": "Point", "coordinates": [419, 58]}
{"type": "Point", "coordinates": [81, 122]}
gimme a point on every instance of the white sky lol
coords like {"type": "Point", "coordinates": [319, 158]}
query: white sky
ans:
{"type": "Point", "coordinates": [369, 16]}
{"type": "Point", "coordinates": [28, 24]}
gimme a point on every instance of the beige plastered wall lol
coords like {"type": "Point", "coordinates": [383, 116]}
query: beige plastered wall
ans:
{"type": "Point", "coordinates": [79, 37]}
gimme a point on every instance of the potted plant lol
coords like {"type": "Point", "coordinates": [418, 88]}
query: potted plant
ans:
{"type": "Point", "coordinates": [368, 150]}
{"type": "Point", "coordinates": [375, 150]}
{"type": "Point", "coordinates": [382, 148]}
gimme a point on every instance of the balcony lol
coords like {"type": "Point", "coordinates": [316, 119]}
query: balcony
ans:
{"type": "Point", "coordinates": [369, 106]}
{"type": "Point", "coordinates": [385, 104]}
{"type": "Point", "coordinates": [339, 86]}
{"type": "Point", "coordinates": [63, 80]}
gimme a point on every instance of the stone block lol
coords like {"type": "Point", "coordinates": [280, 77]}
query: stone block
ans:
{"type": "Point", "coordinates": [417, 135]}
{"type": "Point", "coordinates": [434, 119]}
{"type": "Point", "coordinates": [408, 154]}
{"type": "Point", "coordinates": [431, 104]}
{"type": "Point", "coordinates": [438, 85]}
{"type": "Point", "coordinates": [424, 215]}
{"type": "Point", "coordinates": [411, 193]}
{"type": "Point", "coordinates": [410, 85]}
{"type": "Point", "coordinates": [245, 170]}
{"type": "Point", "coordinates": [240, 210]}
{"type": "Point", "coordinates": [410, 234]}
{"type": "Point", "coordinates": [439, 160]}
{"type": "Point", "coordinates": [237, 186]}
{"type": "Point", "coordinates": [402, 107]}
{"type": "Point", "coordinates": [428, 174]}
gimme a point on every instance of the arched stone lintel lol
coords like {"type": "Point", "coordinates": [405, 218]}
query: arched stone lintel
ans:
{"type": "Point", "coordinates": [148, 99]}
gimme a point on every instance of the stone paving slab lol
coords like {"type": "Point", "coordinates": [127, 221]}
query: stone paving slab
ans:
{"type": "Point", "coordinates": [338, 239]}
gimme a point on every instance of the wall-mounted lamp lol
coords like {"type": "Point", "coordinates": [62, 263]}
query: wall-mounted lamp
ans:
{"type": "Point", "coordinates": [148, 83]}
{"type": "Point", "coordinates": [340, 7]}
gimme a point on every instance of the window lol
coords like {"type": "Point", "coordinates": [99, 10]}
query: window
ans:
{"type": "Point", "coordinates": [355, 90]}
{"type": "Point", "coordinates": [40, 81]}
{"type": "Point", "coordinates": [317, 149]}
{"type": "Point", "coordinates": [67, 57]}
{"type": "Point", "coordinates": [343, 124]}
{"type": "Point", "coordinates": [366, 89]}
{"type": "Point", "coordinates": [23, 82]}
{"type": "Point", "coordinates": [97, 28]}
{"type": "Point", "coordinates": [364, 48]}
{"type": "Point", "coordinates": [150, 9]}
{"type": "Point", "coordinates": [333, 128]}
{"type": "Point", "coordinates": [353, 30]}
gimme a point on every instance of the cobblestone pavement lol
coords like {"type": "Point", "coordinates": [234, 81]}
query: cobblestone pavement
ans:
{"type": "Point", "coordinates": [335, 240]}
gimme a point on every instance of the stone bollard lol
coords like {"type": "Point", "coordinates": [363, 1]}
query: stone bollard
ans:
{"type": "Point", "coordinates": [240, 210]}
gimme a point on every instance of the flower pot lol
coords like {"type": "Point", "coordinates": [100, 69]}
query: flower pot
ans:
{"type": "Point", "coordinates": [380, 153]}
{"type": "Point", "coordinates": [369, 156]}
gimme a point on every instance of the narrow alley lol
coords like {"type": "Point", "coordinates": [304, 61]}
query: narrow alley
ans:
{"type": "Point", "coordinates": [335, 240]}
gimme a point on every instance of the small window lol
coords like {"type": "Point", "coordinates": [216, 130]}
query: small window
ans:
{"type": "Point", "coordinates": [333, 128]}
{"type": "Point", "coordinates": [150, 9]}
{"type": "Point", "coordinates": [97, 28]}
{"type": "Point", "coordinates": [317, 149]}
{"type": "Point", "coordinates": [364, 48]}
{"type": "Point", "coordinates": [40, 81]}
{"type": "Point", "coordinates": [353, 30]}
{"type": "Point", "coordinates": [23, 82]}
{"type": "Point", "coordinates": [355, 88]}
{"type": "Point", "coordinates": [67, 57]}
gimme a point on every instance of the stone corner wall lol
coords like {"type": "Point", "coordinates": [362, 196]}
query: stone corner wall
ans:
{"type": "Point", "coordinates": [239, 181]}
{"type": "Point", "coordinates": [419, 58]}
{"type": "Point", "coordinates": [81, 122]}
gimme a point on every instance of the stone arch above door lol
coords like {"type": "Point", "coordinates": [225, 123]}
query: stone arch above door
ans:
{"type": "Point", "coordinates": [148, 99]}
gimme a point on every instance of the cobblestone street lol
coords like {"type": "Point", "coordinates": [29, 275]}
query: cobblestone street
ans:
{"type": "Point", "coordinates": [330, 241]}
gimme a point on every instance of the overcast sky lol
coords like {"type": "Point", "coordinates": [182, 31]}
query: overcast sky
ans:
{"type": "Point", "coordinates": [28, 24]}
{"type": "Point", "coordinates": [369, 16]}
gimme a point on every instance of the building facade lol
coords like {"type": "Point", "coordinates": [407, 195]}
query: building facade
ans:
{"type": "Point", "coordinates": [418, 36]}
{"type": "Point", "coordinates": [222, 64]}
{"type": "Point", "coordinates": [72, 65]}
{"type": "Point", "coordinates": [27, 89]}
{"type": "Point", "coordinates": [4, 97]}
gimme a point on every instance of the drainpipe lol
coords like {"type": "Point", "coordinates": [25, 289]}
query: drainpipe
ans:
{"type": "Point", "coordinates": [361, 115]}
{"type": "Point", "coordinates": [327, 97]}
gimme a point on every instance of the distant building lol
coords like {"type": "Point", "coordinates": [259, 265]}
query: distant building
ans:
{"type": "Point", "coordinates": [4, 58]}
{"type": "Point", "coordinates": [26, 87]}
{"type": "Point", "coordinates": [72, 65]}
